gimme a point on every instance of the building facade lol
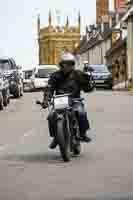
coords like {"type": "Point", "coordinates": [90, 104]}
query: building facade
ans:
{"type": "Point", "coordinates": [98, 51]}
{"type": "Point", "coordinates": [120, 5]}
{"type": "Point", "coordinates": [102, 10]}
{"type": "Point", "coordinates": [94, 48]}
{"type": "Point", "coordinates": [117, 58]}
{"type": "Point", "coordinates": [54, 40]}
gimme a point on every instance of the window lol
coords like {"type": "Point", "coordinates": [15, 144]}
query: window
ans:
{"type": "Point", "coordinates": [100, 68]}
{"type": "Point", "coordinates": [4, 65]}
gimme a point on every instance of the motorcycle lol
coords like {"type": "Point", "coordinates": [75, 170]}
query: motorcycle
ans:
{"type": "Point", "coordinates": [67, 133]}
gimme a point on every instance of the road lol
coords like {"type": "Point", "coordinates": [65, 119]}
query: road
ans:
{"type": "Point", "coordinates": [29, 170]}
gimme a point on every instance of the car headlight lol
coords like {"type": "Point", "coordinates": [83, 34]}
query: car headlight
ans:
{"type": "Point", "coordinates": [105, 76]}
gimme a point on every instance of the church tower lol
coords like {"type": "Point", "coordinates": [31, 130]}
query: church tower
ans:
{"type": "Point", "coordinates": [54, 40]}
{"type": "Point", "coordinates": [102, 8]}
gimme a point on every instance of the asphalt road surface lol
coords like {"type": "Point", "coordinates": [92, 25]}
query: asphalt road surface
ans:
{"type": "Point", "coordinates": [29, 170]}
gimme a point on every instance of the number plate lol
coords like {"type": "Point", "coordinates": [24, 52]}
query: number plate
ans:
{"type": "Point", "coordinates": [61, 102]}
{"type": "Point", "coordinates": [99, 81]}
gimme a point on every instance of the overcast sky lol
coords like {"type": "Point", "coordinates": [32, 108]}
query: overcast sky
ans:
{"type": "Point", "coordinates": [18, 20]}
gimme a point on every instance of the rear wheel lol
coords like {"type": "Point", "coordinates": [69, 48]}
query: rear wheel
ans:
{"type": "Point", "coordinates": [63, 140]}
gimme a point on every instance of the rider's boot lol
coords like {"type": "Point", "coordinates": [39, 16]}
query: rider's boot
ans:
{"type": "Point", "coordinates": [85, 138]}
{"type": "Point", "coordinates": [53, 144]}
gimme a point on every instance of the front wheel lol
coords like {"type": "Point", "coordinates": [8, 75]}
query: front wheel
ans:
{"type": "Point", "coordinates": [63, 140]}
{"type": "Point", "coordinates": [76, 146]}
{"type": "Point", "coordinates": [77, 149]}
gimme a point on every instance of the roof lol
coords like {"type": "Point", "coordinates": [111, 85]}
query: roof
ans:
{"type": "Point", "coordinates": [86, 45]}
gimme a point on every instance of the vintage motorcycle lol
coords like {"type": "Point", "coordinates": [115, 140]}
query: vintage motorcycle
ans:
{"type": "Point", "coordinates": [67, 132]}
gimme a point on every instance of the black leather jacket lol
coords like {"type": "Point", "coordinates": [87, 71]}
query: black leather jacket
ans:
{"type": "Point", "coordinates": [74, 82]}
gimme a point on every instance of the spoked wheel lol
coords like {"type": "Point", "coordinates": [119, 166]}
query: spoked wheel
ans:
{"type": "Point", "coordinates": [63, 140]}
{"type": "Point", "coordinates": [76, 146]}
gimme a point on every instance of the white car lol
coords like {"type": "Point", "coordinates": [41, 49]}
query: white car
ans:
{"type": "Point", "coordinates": [27, 79]}
{"type": "Point", "coordinates": [40, 77]}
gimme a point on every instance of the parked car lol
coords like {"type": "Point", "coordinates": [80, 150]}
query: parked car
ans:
{"type": "Point", "coordinates": [4, 91]}
{"type": "Point", "coordinates": [14, 75]}
{"type": "Point", "coordinates": [27, 79]}
{"type": "Point", "coordinates": [101, 75]}
{"type": "Point", "coordinates": [41, 76]}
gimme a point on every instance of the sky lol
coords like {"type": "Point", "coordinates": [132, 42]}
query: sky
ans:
{"type": "Point", "coordinates": [18, 20]}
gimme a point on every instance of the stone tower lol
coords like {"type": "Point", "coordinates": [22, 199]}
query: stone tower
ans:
{"type": "Point", "coordinates": [102, 8]}
{"type": "Point", "coordinates": [54, 40]}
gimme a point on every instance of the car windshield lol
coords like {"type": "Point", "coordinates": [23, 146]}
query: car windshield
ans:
{"type": "Point", "coordinates": [28, 74]}
{"type": "Point", "coordinates": [100, 69]}
{"type": "Point", "coordinates": [4, 65]}
{"type": "Point", "coordinates": [45, 73]}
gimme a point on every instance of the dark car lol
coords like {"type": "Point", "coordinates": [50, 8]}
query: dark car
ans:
{"type": "Point", "coordinates": [101, 75]}
{"type": "Point", "coordinates": [4, 91]}
{"type": "Point", "coordinates": [11, 71]}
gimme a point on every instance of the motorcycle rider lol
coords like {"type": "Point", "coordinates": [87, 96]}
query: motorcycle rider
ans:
{"type": "Point", "coordinates": [68, 80]}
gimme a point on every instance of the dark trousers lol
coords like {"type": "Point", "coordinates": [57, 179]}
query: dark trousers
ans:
{"type": "Point", "coordinates": [81, 116]}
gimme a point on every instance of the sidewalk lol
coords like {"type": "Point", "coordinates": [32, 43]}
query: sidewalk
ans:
{"type": "Point", "coordinates": [121, 87]}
